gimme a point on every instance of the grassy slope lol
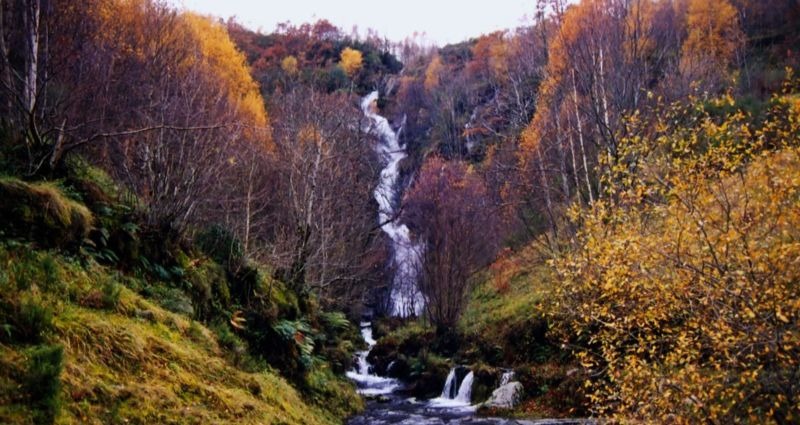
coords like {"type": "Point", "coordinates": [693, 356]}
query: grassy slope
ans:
{"type": "Point", "coordinates": [505, 322]}
{"type": "Point", "coordinates": [132, 362]}
{"type": "Point", "coordinates": [508, 293]}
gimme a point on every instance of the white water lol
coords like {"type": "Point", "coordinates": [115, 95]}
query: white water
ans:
{"type": "Point", "coordinates": [368, 383]}
{"type": "Point", "coordinates": [451, 398]}
{"type": "Point", "coordinates": [506, 378]}
{"type": "Point", "coordinates": [405, 295]}
{"type": "Point", "coordinates": [465, 390]}
{"type": "Point", "coordinates": [449, 384]}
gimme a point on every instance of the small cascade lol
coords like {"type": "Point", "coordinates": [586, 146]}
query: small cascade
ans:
{"type": "Point", "coordinates": [367, 382]}
{"type": "Point", "coordinates": [506, 378]}
{"type": "Point", "coordinates": [465, 390]}
{"type": "Point", "coordinates": [457, 391]}
{"type": "Point", "coordinates": [449, 391]}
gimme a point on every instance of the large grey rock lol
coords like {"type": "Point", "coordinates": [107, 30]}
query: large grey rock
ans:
{"type": "Point", "coordinates": [506, 396]}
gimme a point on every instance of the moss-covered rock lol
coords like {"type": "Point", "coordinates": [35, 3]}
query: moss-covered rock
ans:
{"type": "Point", "coordinates": [486, 380]}
{"type": "Point", "coordinates": [428, 375]}
{"type": "Point", "coordinates": [42, 213]}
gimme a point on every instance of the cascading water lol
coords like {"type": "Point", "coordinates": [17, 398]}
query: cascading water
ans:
{"type": "Point", "coordinates": [449, 390]}
{"type": "Point", "coordinates": [465, 390]}
{"type": "Point", "coordinates": [405, 296]}
{"type": "Point", "coordinates": [506, 378]}
{"type": "Point", "coordinates": [456, 394]}
{"type": "Point", "coordinates": [367, 382]}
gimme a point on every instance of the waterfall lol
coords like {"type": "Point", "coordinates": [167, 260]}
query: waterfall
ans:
{"type": "Point", "coordinates": [405, 296]}
{"type": "Point", "coordinates": [449, 390]}
{"type": "Point", "coordinates": [506, 378]}
{"type": "Point", "coordinates": [369, 384]}
{"type": "Point", "coordinates": [456, 393]}
{"type": "Point", "coordinates": [465, 390]}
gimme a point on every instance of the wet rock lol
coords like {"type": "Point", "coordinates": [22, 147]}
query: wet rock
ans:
{"type": "Point", "coordinates": [398, 368]}
{"type": "Point", "coordinates": [506, 397]}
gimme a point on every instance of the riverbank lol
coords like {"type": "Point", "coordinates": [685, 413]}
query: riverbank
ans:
{"type": "Point", "coordinates": [392, 401]}
{"type": "Point", "coordinates": [503, 332]}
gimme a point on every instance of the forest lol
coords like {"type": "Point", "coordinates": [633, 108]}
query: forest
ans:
{"type": "Point", "coordinates": [593, 217]}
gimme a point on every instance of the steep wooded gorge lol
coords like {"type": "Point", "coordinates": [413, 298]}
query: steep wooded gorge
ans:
{"type": "Point", "coordinates": [590, 218]}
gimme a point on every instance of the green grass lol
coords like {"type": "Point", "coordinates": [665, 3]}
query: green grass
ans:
{"type": "Point", "coordinates": [127, 360]}
{"type": "Point", "coordinates": [494, 309]}
{"type": "Point", "coordinates": [505, 324]}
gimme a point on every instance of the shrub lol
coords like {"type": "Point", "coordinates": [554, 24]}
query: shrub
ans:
{"type": "Point", "coordinates": [221, 245]}
{"type": "Point", "coordinates": [25, 321]}
{"type": "Point", "coordinates": [209, 290]}
{"type": "Point", "coordinates": [42, 381]}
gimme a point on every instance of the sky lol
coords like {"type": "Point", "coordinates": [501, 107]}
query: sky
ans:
{"type": "Point", "coordinates": [442, 21]}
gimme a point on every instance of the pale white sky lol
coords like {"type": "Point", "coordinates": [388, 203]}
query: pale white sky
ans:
{"type": "Point", "coordinates": [443, 21]}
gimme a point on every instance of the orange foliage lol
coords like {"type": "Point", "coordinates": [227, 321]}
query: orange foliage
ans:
{"type": "Point", "coordinates": [506, 266]}
{"type": "Point", "coordinates": [713, 37]}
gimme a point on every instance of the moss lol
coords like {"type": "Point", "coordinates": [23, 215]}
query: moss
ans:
{"type": "Point", "coordinates": [428, 374]}
{"type": "Point", "coordinates": [209, 289]}
{"type": "Point", "coordinates": [138, 363]}
{"type": "Point", "coordinates": [486, 380]}
{"type": "Point", "coordinates": [41, 212]}
{"type": "Point", "coordinates": [335, 393]}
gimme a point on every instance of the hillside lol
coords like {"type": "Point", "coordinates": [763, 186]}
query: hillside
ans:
{"type": "Point", "coordinates": [81, 342]}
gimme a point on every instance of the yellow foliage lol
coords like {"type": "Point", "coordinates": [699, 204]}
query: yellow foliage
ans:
{"type": "Point", "coordinates": [351, 61]}
{"type": "Point", "coordinates": [220, 55]}
{"type": "Point", "coordinates": [289, 65]}
{"type": "Point", "coordinates": [713, 36]}
{"type": "Point", "coordinates": [432, 73]}
{"type": "Point", "coordinates": [684, 291]}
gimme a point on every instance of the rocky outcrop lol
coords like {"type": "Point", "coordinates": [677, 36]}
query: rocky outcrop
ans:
{"type": "Point", "coordinates": [506, 396]}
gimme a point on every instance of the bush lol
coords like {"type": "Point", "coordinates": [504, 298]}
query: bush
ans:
{"type": "Point", "coordinates": [209, 290]}
{"type": "Point", "coordinates": [42, 381]}
{"type": "Point", "coordinates": [25, 321]}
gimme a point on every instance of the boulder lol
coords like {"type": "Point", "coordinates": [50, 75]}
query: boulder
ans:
{"type": "Point", "coordinates": [506, 396]}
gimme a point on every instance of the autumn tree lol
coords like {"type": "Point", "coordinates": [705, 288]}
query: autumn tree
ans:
{"type": "Point", "coordinates": [351, 60]}
{"type": "Point", "coordinates": [684, 282]}
{"type": "Point", "coordinates": [157, 97]}
{"type": "Point", "coordinates": [713, 41]}
{"type": "Point", "coordinates": [323, 233]}
{"type": "Point", "coordinates": [289, 65]}
{"type": "Point", "coordinates": [451, 214]}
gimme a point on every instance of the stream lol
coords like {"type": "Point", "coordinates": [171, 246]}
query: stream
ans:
{"type": "Point", "coordinates": [387, 404]}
